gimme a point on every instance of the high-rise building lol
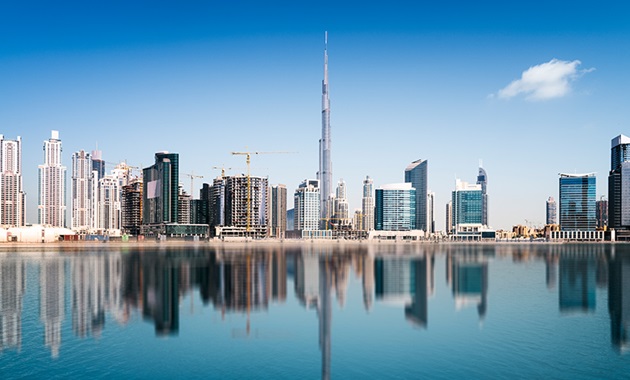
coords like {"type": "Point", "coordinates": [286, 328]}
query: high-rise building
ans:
{"type": "Point", "coordinates": [449, 217]}
{"type": "Point", "coordinates": [306, 201]}
{"type": "Point", "coordinates": [577, 202]}
{"type": "Point", "coordinates": [11, 192]}
{"type": "Point", "coordinates": [416, 174]}
{"type": "Point", "coordinates": [324, 175]}
{"type": "Point", "coordinates": [131, 207]}
{"type": "Point", "coordinates": [395, 207]}
{"type": "Point", "coordinates": [184, 204]}
{"type": "Point", "coordinates": [482, 179]}
{"type": "Point", "coordinates": [341, 215]}
{"type": "Point", "coordinates": [109, 204]}
{"type": "Point", "coordinates": [98, 164]}
{"type": "Point", "coordinates": [619, 183]}
{"type": "Point", "coordinates": [430, 211]}
{"type": "Point", "coordinates": [551, 211]}
{"type": "Point", "coordinates": [367, 204]}
{"type": "Point", "coordinates": [82, 192]}
{"type": "Point", "coordinates": [601, 210]}
{"type": "Point", "coordinates": [243, 211]}
{"type": "Point", "coordinates": [161, 185]}
{"type": "Point", "coordinates": [278, 211]}
{"type": "Point", "coordinates": [467, 201]}
{"type": "Point", "coordinates": [52, 185]}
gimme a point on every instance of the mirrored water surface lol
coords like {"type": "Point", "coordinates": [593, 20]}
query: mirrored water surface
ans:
{"type": "Point", "coordinates": [316, 311]}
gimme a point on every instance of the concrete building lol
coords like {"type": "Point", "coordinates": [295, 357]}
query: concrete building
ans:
{"type": "Point", "coordinates": [449, 217]}
{"type": "Point", "coordinates": [306, 201]}
{"type": "Point", "coordinates": [278, 211]}
{"type": "Point", "coordinates": [467, 201]}
{"type": "Point", "coordinates": [109, 205]}
{"type": "Point", "coordinates": [82, 192]}
{"type": "Point", "coordinates": [131, 207]}
{"type": "Point", "coordinates": [12, 197]}
{"type": "Point", "coordinates": [342, 213]}
{"type": "Point", "coordinates": [416, 174]}
{"type": "Point", "coordinates": [577, 202]}
{"type": "Point", "coordinates": [243, 211]}
{"type": "Point", "coordinates": [396, 207]}
{"type": "Point", "coordinates": [552, 217]}
{"type": "Point", "coordinates": [52, 185]}
{"type": "Point", "coordinates": [601, 212]}
{"type": "Point", "coordinates": [367, 204]}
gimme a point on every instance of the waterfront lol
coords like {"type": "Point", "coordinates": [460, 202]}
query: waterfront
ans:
{"type": "Point", "coordinates": [315, 311]}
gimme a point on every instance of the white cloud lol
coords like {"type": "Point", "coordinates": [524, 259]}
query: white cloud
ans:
{"type": "Point", "coordinates": [545, 81]}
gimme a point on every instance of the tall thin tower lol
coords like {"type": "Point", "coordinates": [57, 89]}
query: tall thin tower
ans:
{"type": "Point", "coordinates": [325, 163]}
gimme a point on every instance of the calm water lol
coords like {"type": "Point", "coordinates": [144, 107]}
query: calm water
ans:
{"type": "Point", "coordinates": [384, 311]}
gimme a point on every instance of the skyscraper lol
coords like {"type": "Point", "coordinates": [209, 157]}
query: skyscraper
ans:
{"type": "Point", "coordinates": [577, 202]}
{"type": "Point", "coordinates": [98, 164]}
{"type": "Point", "coordinates": [278, 211]}
{"type": "Point", "coordinates": [430, 211]}
{"type": "Point", "coordinates": [341, 215]}
{"type": "Point", "coordinates": [482, 179]}
{"type": "Point", "coordinates": [467, 201]}
{"type": "Point", "coordinates": [449, 217]}
{"type": "Point", "coordinates": [551, 211]}
{"type": "Point", "coordinates": [619, 183]}
{"type": "Point", "coordinates": [161, 185]}
{"type": "Point", "coordinates": [325, 162]}
{"type": "Point", "coordinates": [11, 193]}
{"type": "Point", "coordinates": [82, 196]}
{"type": "Point", "coordinates": [237, 203]}
{"type": "Point", "coordinates": [395, 207]}
{"type": "Point", "coordinates": [416, 174]}
{"type": "Point", "coordinates": [367, 204]}
{"type": "Point", "coordinates": [52, 185]}
{"type": "Point", "coordinates": [601, 210]}
{"type": "Point", "coordinates": [131, 207]}
{"type": "Point", "coordinates": [306, 202]}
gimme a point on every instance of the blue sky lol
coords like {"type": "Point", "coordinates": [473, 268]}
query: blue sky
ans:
{"type": "Point", "coordinates": [407, 80]}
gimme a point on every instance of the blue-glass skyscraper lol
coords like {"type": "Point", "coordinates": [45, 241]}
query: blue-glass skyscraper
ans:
{"type": "Point", "coordinates": [467, 201]}
{"type": "Point", "coordinates": [577, 202]}
{"type": "Point", "coordinates": [619, 183]}
{"type": "Point", "coordinates": [395, 207]}
{"type": "Point", "coordinates": [482, 179]}
{"type": "Point", "coordinates": [416, 174]}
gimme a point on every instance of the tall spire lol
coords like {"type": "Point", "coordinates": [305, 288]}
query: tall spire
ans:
{"type": "Point", "coordinates": [325, 164]}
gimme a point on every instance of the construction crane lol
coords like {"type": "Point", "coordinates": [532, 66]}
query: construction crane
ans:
{"type": "Point", "coordinates": [223, 168]}
{"type": "Point", "coordinates": [192, 177]}
{"type": "Point", "coordinates": [249, 182]}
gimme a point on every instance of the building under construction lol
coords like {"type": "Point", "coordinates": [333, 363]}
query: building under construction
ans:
{"type": "Point", "coordinates": [244, 212]}
{"type": "Point", "coordinates": [132, 207]}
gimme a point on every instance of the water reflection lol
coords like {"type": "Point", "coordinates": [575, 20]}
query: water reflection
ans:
{"type": "Point", "coordinates": [151, 284]}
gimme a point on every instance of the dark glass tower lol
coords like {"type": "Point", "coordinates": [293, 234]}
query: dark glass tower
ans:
{"type": "Point", "coordinates": [160, 184]}
{"type": "Point", "coordinates": [619, 179]}
{"type": "Point", "coordinates": [482, 179]}
{"type": "Point", "coordinates": [416, 174]}
{"type": "Point", "coordinates": [577, 202]}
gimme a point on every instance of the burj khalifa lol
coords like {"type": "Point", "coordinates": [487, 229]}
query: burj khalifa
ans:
{"type": "Point", "coordinates": [324, 175]}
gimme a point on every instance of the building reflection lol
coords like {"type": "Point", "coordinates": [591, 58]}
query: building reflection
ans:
{"type": "Point", "coordinates": [619, 300]}
{"type": "Point", "coordinates": [577, 269]}
{"type": "Point", "coordinates": [12, 285]}
{"type": "Point", "coordinates": [52, 300]}
{"type": "Point", "coordinates": [467, 274]}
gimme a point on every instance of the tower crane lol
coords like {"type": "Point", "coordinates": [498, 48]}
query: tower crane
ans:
{"type": "Point", "coordinates": [192, 177]}
{"type": "Point", "coordinates": [249, 182]}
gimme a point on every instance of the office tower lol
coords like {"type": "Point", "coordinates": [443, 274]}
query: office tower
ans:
{"type": "Point", "coordinates": [98, 165]}
{"type": "Point", "coordinates": [52, 185]}
{"type": "Point", "coordinates": [243, 211]}
{"type": "Point", "coordinates": [395, 207]}
{"type": "Point", "coordinates": [467, 201]}
{"type": "Point", "coordinates": [82, 196]}
{"type": "Point", "coordinates": [306, 202]}
{"type": "Point", "coordinates": [131, 207]}
{"type": "Point", "coordinates": [577, 202]}
{"type": "Point", "coordinates": [325, 162]}
{"type": "Point", "coordinates": [430, 211]}
{"type": "Point", "coordinates": [11, 192]}
{"type": "Point", "coordinates": [619, 183]}
{"type": "Point", "coordinates": [416, 174]}
{"type": "Point", "coordinates": [449, 217]}
{"type": "Point", "coordinates": [278, 211]}
{"type": "Point", "coordinates": [551, 211]}
{"type": "Point", "coordinates": [160, 184]}
{"type": "Point", "coordinates": [367, 204]}
{"type": "Point", "coordinates": [217, 203]}
{"type": "Point", "coordinates": [601, 211]}
{"type": "Point", "coordinates": [482, 179]}
{"type": "Point", "coordinates": [341, 214]}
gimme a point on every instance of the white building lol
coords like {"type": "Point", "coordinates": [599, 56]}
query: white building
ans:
{"type": "Point", "coordinates": [11, 193]}
{"type": "Point", "coordinates": [109, 210]}
{"type": "Point", "coordinates": [306, 206]}
{"type": "Point", "coordinates": [341, 204]}
{"type": "Point", "coordinates": [367, 204]}
{"type": "Point", "coordinates": [430, 211]}
{"type": "Point", "coordinates": [82, 192]}
{"type": "Point", "coordinates": [52, 185]}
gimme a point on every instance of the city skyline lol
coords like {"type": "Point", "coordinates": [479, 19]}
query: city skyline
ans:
{"type": "Point", "coordinates": [430, 82]}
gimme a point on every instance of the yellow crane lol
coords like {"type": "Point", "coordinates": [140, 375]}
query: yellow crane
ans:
{"type": "Point", "coordinates": [249, 184]}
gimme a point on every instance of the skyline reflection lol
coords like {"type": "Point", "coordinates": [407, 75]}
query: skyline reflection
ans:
{"type": "Point", "coordinates": [122, 287]}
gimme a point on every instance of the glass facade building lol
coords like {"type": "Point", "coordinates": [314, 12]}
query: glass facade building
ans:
{"type": "Point", "coordinates": [619, 183]}
{"type": "Point", "coordinates": [552, 217]}
{"type": "Point", "coordinates": [416, 175]}
{"type": "Point", "coordinates": [396, 207]}
{"type": "Point", "coordinates": [467, 204]}
{"type": "Point", "coordinates": [577, 202]}
{"type": "Point", "coordinates": [161, 189]}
